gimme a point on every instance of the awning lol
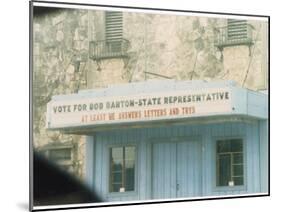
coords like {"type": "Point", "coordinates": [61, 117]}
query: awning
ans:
{"type": "Point", "coordinates": [142, 103]}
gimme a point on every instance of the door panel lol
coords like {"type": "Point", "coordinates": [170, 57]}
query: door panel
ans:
{"type": "Point", "coordinates": [188, 169]}
{"type": "Point", "coordinates": [176, 169]}
{"type": "Point", "coordinates": [164, 171]}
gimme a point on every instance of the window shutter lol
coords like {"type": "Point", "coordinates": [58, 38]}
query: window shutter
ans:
{"type": "Point", "coordinates": [113, 26]}
{"type": "Point", "coordinates": [236, 29]}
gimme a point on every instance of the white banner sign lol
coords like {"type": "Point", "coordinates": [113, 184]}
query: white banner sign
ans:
{"type": "Point", "coordinates": [144, 107]}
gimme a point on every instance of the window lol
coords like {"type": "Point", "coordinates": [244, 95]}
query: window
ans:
{"type": "Point", "coordinates": [113, 30]}
{"type": "Point", "coordinates": [60, 154]}
{"type": "Point", "coordinates": [65, 155]}
{"type": "Point", "coordinates": [230, 162]}
{"type": "Point", "coordinates": [113, 25]}
{"type": "Point", "coordinates": [236, 32]}
{"type": "Point", "coordinates": [237, 29]}
{"type": "Point", "coordinates": [113, 44]}
{"type": "Point", "coordinates": [122, 169]}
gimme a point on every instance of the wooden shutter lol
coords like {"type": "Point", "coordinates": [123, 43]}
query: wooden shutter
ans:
{"type": "Point", "coordinates": [236, 29]}
{"type": "Point", "coordinates": [113, 26]}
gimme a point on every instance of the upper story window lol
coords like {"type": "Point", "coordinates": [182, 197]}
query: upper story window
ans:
{"type": "Point", "coordinates": [122, 169]}
{"type": "Point", "coordinates": [230, 165]}
{"type": "Point", "coordinates": [113, 26]}
{"type": "Point", "coordinates": [236, 32]}
{"type": "Point", "coordinates": [113, 45]}
{"type": "Point", "coordinates": [113, 31]}
{"type": "Point", "coordinates": [236, 29]}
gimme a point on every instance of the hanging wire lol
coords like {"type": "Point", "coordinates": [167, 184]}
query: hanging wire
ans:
{"type": "Point", "coordinates": [194, 66]}
{"type": "Point", "coordinates": [251, 58]}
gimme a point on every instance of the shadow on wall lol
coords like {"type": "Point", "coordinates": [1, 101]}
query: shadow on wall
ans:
{"type": "Point", "coordinates": [41, 11]}
{"type": "Point", "coordinates": [53, 186]}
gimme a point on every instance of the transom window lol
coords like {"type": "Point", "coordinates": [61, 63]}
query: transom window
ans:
{"type": "Point", "coordinates": [122, 169]}
{"type": "Point", "coordinates": [229, 162]}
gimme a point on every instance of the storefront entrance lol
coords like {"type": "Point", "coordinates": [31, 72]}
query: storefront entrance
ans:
{"type": "Point", "coordinates": [176, 169]}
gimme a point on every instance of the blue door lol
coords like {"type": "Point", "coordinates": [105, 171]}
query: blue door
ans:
{"type": "Point", "coordinates": [176, 169]}
{"type": "Point", "coordinates": [188, 169]}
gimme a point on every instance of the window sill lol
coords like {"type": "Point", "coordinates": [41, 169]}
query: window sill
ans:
{"type": "Point", "coordinates": [230, 188]}
{"type": "Point", "coordinates": [120, 194]}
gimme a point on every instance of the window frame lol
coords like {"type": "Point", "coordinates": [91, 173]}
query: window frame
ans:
{"type": "Point", "coordinates": [228, 25]}
{"type": "Point", "coordinates": [106, 27]}
{"type": "Point", "coordinates": [217, 188]}
{"type": "Point", "coordinates": [61, 160]}
{"type": "Point", "coordinates": [115, 193]}
{"type": "Point", "coordinates": [65, 164]}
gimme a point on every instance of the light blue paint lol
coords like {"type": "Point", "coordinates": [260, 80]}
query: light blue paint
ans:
{"type": "Point", "coordinates": [182, 152]}
{"type": "Point", "coordinates": [239, 100]}
{"type": "Point", "coordinates": [263, 155]}
{"type": "Point", "coordinates": [90, 160]}
{"type": "Point", "coordinates": [257, 105]}
{"type": "Point", "coordinates": [158, 148]}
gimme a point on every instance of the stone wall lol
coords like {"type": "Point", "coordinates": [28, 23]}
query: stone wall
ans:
{"type": "Point", "coordinates": [60, 66]}
{"type": "Point", "coordinates": [248, 65]}
{"type": "Point", "coordinates": [182, 48]}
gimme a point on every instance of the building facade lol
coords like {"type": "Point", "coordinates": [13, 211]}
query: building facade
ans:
{"type": "Point", "coordinates": [169, 139]}
{"type": "Point", "coordinates": [77, 50]}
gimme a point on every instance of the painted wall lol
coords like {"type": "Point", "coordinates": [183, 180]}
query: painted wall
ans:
{"type": "Point", "coordinates": [144, 139]}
